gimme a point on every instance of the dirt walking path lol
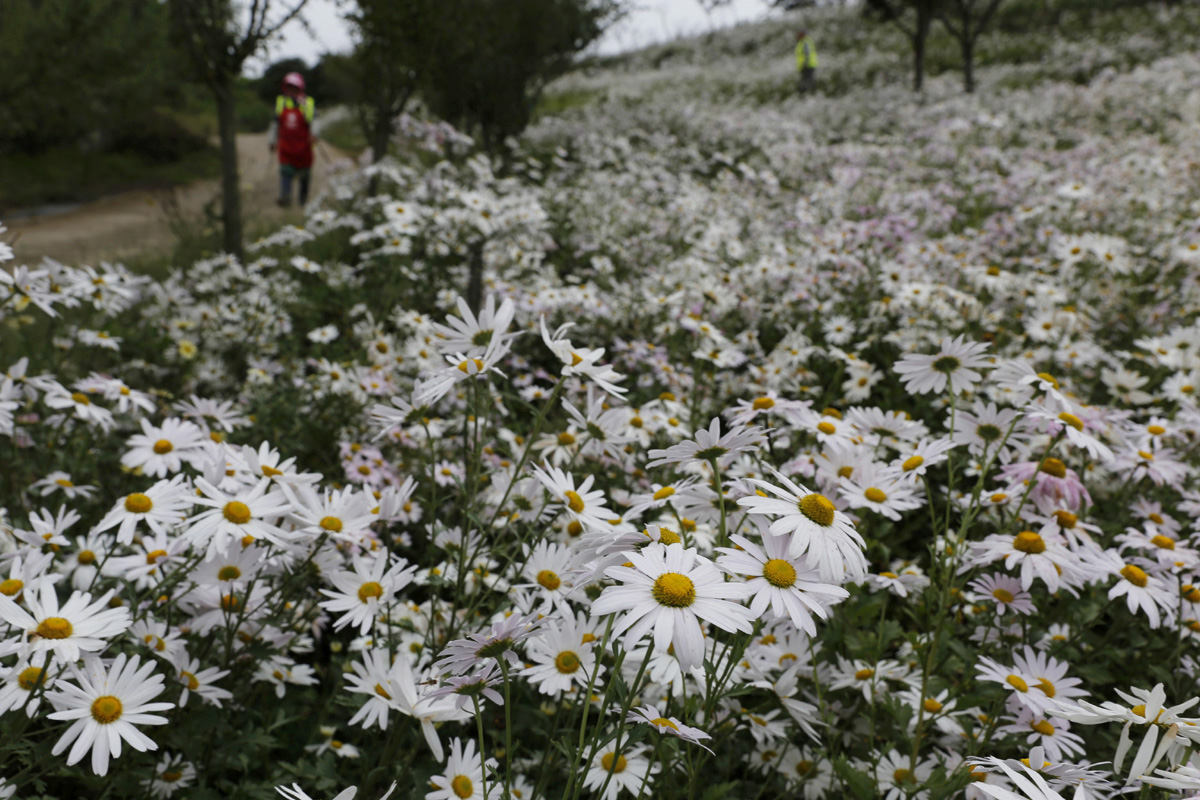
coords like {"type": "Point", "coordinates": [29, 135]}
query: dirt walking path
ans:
{"type": "Point", "coordinates": [141, 222]}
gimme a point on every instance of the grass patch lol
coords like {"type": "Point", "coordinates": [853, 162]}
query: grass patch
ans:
{"type": "Point", "coordinates": [345, 134]}
{"type": "Point", "coordinates": [66, 175]}
{"type": "Point", "coordinates": [559, 102]}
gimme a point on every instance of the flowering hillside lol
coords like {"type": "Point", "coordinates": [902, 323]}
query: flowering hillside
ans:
{"type": "Point", "coordinates": [836, 446]}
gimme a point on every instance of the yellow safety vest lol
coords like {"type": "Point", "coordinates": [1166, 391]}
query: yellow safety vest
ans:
{"type": "Point", "coordinates": [806, 54]}
{"type": "Point", "coordinates": [308, 107]}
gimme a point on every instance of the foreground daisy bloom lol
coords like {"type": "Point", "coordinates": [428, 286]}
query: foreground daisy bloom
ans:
{"type": "Point", "coordinates": [294, 792]}
{"type": "Point", "coordinates": [105, 706]}
{"type": "Point", "coordinates": [817, 530]}
{"type": "Point", "coordinates": [78, 626]}
{"type": "Point", "coordinates": [955, 363]}
{"type": "Point", "coordinates": [790, 589]}
{"type": "Point", "coordinates": [670, 589]}
{"type": "Point", "coordinates": [464, 775]}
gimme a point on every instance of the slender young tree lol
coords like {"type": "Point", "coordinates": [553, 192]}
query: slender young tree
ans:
{"type": "Point", "coordinates": [966, 20]}
{"type": "Point", "coordinates": [390, 40]}
{"type": "Point", "coordinates": [915, 18]}
{"type": "Point", "coordinates": [218, 36]}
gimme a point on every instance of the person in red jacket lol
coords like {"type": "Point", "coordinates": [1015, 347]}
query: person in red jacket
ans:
{"type": "Point", "coordinates": [291, 133]}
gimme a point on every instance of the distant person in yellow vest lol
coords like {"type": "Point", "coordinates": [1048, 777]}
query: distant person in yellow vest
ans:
{"type": "Point", "coordinates": [806, 61]}
{"type": "Point", "coordinates": [291, 132]}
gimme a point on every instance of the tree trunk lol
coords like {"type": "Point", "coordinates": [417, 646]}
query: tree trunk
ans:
{"type": "Point", "coordinates": [475, 280]}
{"type": "Point", "coordinates": [919, 59]}
{"type": "Point", "coordinates": [968, 54]}
{"type": "Point", "coordinates": [381, 133]}
{"type": "Point", "coordinates": [231, 199]}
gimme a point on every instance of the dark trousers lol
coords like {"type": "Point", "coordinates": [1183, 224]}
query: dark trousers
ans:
{"type": "Point", "coordinates": [807, 80]}
{"type": "Point", "coordinates": [286, 173]}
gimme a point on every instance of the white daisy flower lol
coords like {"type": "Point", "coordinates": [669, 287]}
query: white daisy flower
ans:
{"type": "Point", "coordinates": [616, 772]}
{"type": "Point", "coordinates": [671, 589]}
{"type": "Point", "coordinates": [818, 531]}
{"type": "Point", "coordinates": [362, 595]}
{"type": "Point", "coordinates": [955, 363]}
{"type": "Point", "coordinates": [233, 517]}
{"type": "Point", "coordinates": [791, 589]}
{"type": "Point", "coordinates": [105, 705]}
{"type": "Point", "coordinates": [323, 335]}
{"type": "Point", "coordinates": [463, 779]}
{"type": "Point", "coordinates": [80, 625]}
{"type": "Point", "coordinates": [161, 507]}
{"type": "Point", "coordinates": [563, 657]}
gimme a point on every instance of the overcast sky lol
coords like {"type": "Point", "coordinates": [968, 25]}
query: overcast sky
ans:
{"type": "Point", "coordinates": [650, 21]}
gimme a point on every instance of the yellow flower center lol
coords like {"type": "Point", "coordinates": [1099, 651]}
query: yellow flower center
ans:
{"type": "Point", "coordinates": [86, 557]}
{"type": "Point", "coordinates": [1029, 542]}
{"type": "Point", "coordinates": [875, 495]}
{"type": "Point", "coordinates": [106, 709]}
{"type": "Point", "coordinates": [674, 590]}
{"type": "Point", "coordinates": [11, 586]}
{"type": "Point", "coordinates": [911, 463]}
{"type": "Point", "coordinates": [1047, 687]}
{"type": "Point", "coordinates": [1146, 456]}
{"type": "Point", "coordinates": [864, 674]}
{"type": "Point", "coordinates": [28, 679]}
{"type": "Point", "coordinates": [567, 662]}
{"type": "Point", "coordinates": [465, 368]}
{"type": "Point", "coordinates": [368, 590]}
{"type": "Point", "coordinates": [170, 776]}
{"type": "Point", "coordinates": [1043, 727]}
{"type": "Point", "coordinates": [382, 692]}
{"type": "Point", "coordinates": [270, 472]}
{"type": "Point", "coordinates": [237, 512]}
{"type": "Point", "coordinates": [762, 403]}
{"type": "Point", "coordinates": [54, 628]}
{"type": "Point", "coordinates": [1134, 575]}
{"type": "Point", "coordinates": [613, 763]}
{"type": "Point", "coordinates": [1072, 420]}
{"type": "Point", "coordinates": [667, 536]}
{"type": "Point", "coordinates": [1155, 518]}
{"type": "Point", "coordinates": [462, 786]}
{"type": "Point", "coordinates": [1017, 682]}
{"type": "Point", "coordinates": [664, 723]}
{"type": "Point", "coordinates": [1165, 542]}
{"type": "Point", "coordinates": [803, 767]}
{"type": "Point", "coordinates": [228, 573]}
{"type": "Point", "coordinates": [1052, 466]}
{"type": "Point", "coordinates": [902, 776]}
{"type": "Point", "coordinates": [845, 472]}
{"type": "Point", "coordinates": [827, 428]}
{"type": "Point", "coordinates": [331, 524]}
{"type": "Point", "coordinates": [154, 555]}
{"type": "Point", "coordinates": [779, 573]}
{"type": "Point", "coordinates": [664, 493]}
{"type": "Point", "coordinates": [1155, 430]}
{"type": "Point", "coordinates": [548, 580]}
{"type": "Point", "coordinates": [192, 683]}
{"type": "Point", "coordinates": [63, 482]}
{"type": "Point", "coordinates": [1048, 378]}
{"type": "Point", "coordinates": [1003, 595]}
{"type": "Point", "coordinates": [138, 503]}
{"type": "Point", "coordinates": [162, 447]}
{"type": "Point", "coordinates": [1066, 519]}
{"type": "Point", "coordinates": [817, 508]}
{"type": "Point", "coordinates": [81, 398]}
{"type": "Point", "coordinates": [566, 439]}
{"type": "Point", "coordinates": [932, 705]}
{"type": "Point", "coordinates": [574, 501]}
